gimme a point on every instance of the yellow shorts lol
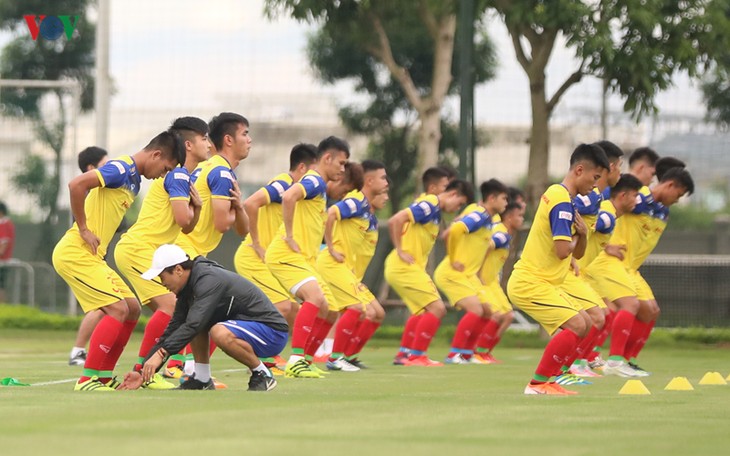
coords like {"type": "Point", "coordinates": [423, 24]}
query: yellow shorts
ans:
{"type": "Point", "coordinates": [92, 281]}
{"type": "Point", "coordinates": [496, 298]}
{"type": "Point", "coordinates": [292, 271]}
{"type": "Point", "coordinates": [545, 303]}
{"type": "Point", "coordinates": [345, 286]}
{"type": "Point", "coordinates": [132, 262]}
{"type": "Point", "coordinates": [643, 290]}
{"type": "Point", "coordinates": [581, 292]}
{"type": "Point", "coordinates": [457, 285]}
{"type": "Point", "coordinates": [412, 284]}
{"type": "Point", "coordinates": [609, 277]}
{"type": "Point", "coordinates": [252, 268]}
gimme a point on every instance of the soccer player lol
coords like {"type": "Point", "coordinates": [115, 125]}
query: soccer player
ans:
{"type": "Point", "coordinates": [557, 233]}
{"type": "Point", "coordinates": [99, 199]}
{"type": "Point", "coordinates": [292, 255]}
{"type": "Point", "coordinates": [468, 240]}
{"type": "Point", "coordinates": [503, 232]}
{"type": "Point", "coordinates": [351, 236]}
{"type": "Point", "coordinates": [171, 206]}
{"type": "Point", "coordinates": [264, 214]}
{"type": "Point", "coordinates": [217, 304]}
{"type": "Point", "coordinates": [413, 231]}
{"type": "Point", "coordinates": [7, 242]}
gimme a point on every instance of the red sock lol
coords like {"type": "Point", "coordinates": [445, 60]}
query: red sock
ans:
{"type": "Point", "coordinates": [466, 327]}
{"type": "Point", "coordinates": [110, 362]}
{"type": "Point", "coordinates": [622, 325]}
{"type": "Point", "coordinates": [321, 328]}
{"type": "Point", "coordinates": [637, 341]}
{"type": "Point", "coordinates": [152, 333]}
{"type": "Point", "coordinates": [602, 335]}
{"type": "Point", "coordinates": [471, 343]}
{"type": "Point", "coordinates": [211, 347]}
{"type": "Point", "coordinates": [101, 343]}
{"type": "Point", "coordinates": [556, 353]}
{"type": "Point", "coordinates": [365, 331]}
{"type": "Point", "coordinates": [303, 326]}
{"type": "Point", "coordinates": [488, 338]}
{"type": "Point", "coordinates": [409, 333]}
{"type": "Point", "coordinates": [426, 329]}
{"type": "Point", "coordinates": [345, 331]}
{"type": "Point", "coordinates": [584, 345]}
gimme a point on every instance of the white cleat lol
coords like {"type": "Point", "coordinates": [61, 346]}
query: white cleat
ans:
{"type": "Point", "coordinates": [620, 368]}
{"type": "Point", "coordinates": [341, 364]}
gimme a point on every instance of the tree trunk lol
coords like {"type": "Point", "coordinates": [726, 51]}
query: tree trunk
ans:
{"type": "Point", "coordinates": [429, 137]}
{"type": "Point", "coordinates": [537, 169]}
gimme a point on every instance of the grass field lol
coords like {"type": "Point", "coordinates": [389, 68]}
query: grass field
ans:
{"type": "Point", "coordinates": [387, 409]}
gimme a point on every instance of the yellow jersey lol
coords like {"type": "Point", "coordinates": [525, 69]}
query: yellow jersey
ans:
{"type": "Point", "coordinates": [553, 222]}
{"type": "Point", "coordinates": [469, 238]}
{"type": "Point", "coordinates": [633, 229]}
{"type": "Point", "coordinates": [156, 224]}
{"type": "Point", "coordinates": [106, 205]}
{"type": "Point", "coordinates": [270, 217]}
{"type": "Point", "coordinates": [213, 179]}
{"type": "Point", "coordinates": [655, 222]}
{"type": "Point", "coordinates": [602, 229]}
{"type": "Point", "coordinates": [494, 262]}
{"type": "Point", "coordinates": [422, 229]}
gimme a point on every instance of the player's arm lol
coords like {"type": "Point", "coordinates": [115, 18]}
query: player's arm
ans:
{"type": "Point", "coordinates": [240, 220]}
{"type": "Point", "coordinates": [251, 206]}
{"type": "Point", "coordinates": [561, 225]}
{"type": "Point", "coordinates": [184, 199]}
{"type": "Point", "coordinates": [333, 216]}
{"type": "Point", "coordinates": [457, 231]}
{"type": "Point", "coordinates": [289, 201]}
{"type": "Point", "coordinates": [395, 228]}
{"type": "Point", "coordinates": [78, 188]}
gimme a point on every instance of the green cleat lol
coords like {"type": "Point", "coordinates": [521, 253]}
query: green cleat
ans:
{"type": "Point", "coordinates": [92, 384]}
{"type": "Point", "coordinates": [158, 382]}
{"type": "Point", "coordinates": [300, 369]}
{"type": "Point", "coordinates": [113, 383]}
{"type": "Point", "coordinates": [314, 368]}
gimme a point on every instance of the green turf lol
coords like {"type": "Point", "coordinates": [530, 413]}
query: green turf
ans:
{"type": "Point", "coordinates": [385, 410]}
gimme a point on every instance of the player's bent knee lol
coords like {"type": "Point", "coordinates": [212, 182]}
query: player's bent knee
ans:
{"type": "Point", "coordinates": [437, 308]}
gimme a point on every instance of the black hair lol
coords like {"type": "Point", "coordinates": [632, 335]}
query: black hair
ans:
{"type": "Point", "coordinates": [679, 176]}
{"type": "Point", "coordinates": [492, 187]}
{"type": "Point", "coordinates": [91, 156]}
{"type": "Point", "coordinates": [513, 193]}
{"type": "Point", "coordinates": [613, 152]}
{"type": "Point", "coordinates": [302, 153]}
{"type": "Point", "coordinates": [592, 153]}
{"type": "Point", "coordinates": [171, 144]}
{"type": "Point", "coordinates": [433, 175]}
{"type": "Point", "coordinates": [450, 171]}
{"type": "Point", "coordinates": [626, 182]}
{"type": "Point", "coordinates": [190, 126]}
{"type": "Point", "coordinates": [664, 164]}
{"type": "Point", "coordinates": [186, 265]}
{"type": "Point", "coordinates": [643, 153]}
{"type": "Point", "coordinates": [3, 208]}
{"type": "Point", "coordinates": [463, 188]}
{"type": "Point", "coordinates": [354, 175]}
{"type": "Point", "coordinates": [511, 206]}
{"type": "Point", "coordinates": [225, 123]}
{"type": "Point", "coordinates": [372, 165]}
{"type": "Point", "coordinates": [333, 142]}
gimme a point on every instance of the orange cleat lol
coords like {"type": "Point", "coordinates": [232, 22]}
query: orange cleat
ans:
{"type": "Point", "coordinates": [543, 388]}
{"type": "Point", "coordinates": [280, 362]}
{"type": "Point", "coordinates": [422, 360]}
{"type": "Point", "coordinates": [562, 390]}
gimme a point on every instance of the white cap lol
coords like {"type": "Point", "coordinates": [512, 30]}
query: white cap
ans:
{"type": "Point", "coordinates": [165, 256]}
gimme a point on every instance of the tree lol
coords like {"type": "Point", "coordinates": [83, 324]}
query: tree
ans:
{"type": "Point", "coordinates": [636, 46]}
{"type": "Point", "coordinates": [388, 118]}
{"type": "Point", "coordinates": [62, 59]}
{"type": "Point", "coordinates": [716, 84]}
{"type": "Point", "coordinates": [377, 31]}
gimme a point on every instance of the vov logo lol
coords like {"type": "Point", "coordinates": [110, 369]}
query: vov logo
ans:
{"type": "Point", "coordinates": [51, 27]}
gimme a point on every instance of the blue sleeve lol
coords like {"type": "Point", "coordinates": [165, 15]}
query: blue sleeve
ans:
{"type": "Point", "coordinates": [588, 204]}
{"type": "Point", "coordinates": [423, 211]}
{"type": "Point", "coordinates": [474, 221]}
{"type": "Point", "coordinates": [607, 193]}
{"type": "Point", "coordinates": [177, 183]}
{"type": "Point", "coordinates": [349, 207]}
{"type": "Point", "coordinates": [561, 220]}
{"type": "Point", "coordinates": [115, 173]}
{"type": "Point", "coordinates": [501, 239]}
{"type": "Point", "coordinates": [643, 203]}
{"type": "Point", "coordinates": [605, 223]}
{"type": "Point", "coordinates": [220, 181]}
{"type": "Point", "coordinates": [313, 186]}
{"type": "Point", "coordinates": [276, 190]}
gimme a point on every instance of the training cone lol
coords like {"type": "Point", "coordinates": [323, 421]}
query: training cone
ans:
{"type": "Point", "coordinates": [727, 378]}
{"type": "Point", "coordinates": [713, 378]}
{"type": "Point", "coordinates": [635, 387]}
{"type": "Point", "coordinates": [679, 384]}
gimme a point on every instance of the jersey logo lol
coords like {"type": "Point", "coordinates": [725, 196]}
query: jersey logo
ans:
{"type": "Point", "coordinates": [278, 187]}
{"type": "Point", "coordinates": [182, 176]}
{"type": "Point", "coordinates": [351, 205]}
{"type": "Point", "coordinates": [313, 180]}
{"type": "Point", "coordinates": [120, 167]}
{"type": "Point", "coordinates": [565, 215]}
{"type": "Point", "coordinates": [227, 175]}
{"type": "Point", "coordinates": [585, 200]}
{"type": "Point", "coordinates": [474, 216]}
{"type": "Point", "coordinates": [425, 207]}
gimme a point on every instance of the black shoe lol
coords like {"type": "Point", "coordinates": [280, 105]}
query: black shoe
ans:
{"type": "Point", "coordinates": [357, 363]}
{"type": "Point", "coordinates": [194, 384]}
{"type": "Point", "coordinates": [259, 381]}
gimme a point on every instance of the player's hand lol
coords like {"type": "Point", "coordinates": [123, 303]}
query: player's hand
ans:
{"type": "Point", "coordinates": [574, 266]}
{"type": "Point", "coordinates": [91, 239]}
{"type": "Point", "coordinates": [616, 250]}
{"type": "Point", "coordinates": [458, 266]}
{"type": "Point", "coordinates": [340, 258]}
{"type": "Point", "coordinates": [132, 381]}
{"type": "Point", "coordinates": [581, 228]}
{"type": "Point", "coordinates": [405, 256]}
{"type": "Point", "coordinates": [151, 366]}
{"type": "Point", "coordinates": [259, 250]}
{"type": "Point", "coordinates": [292, 244]}
{"type": "Point", "coordinates": [445, 234]}
{"type": "Point", "coordinates": [195, 200]}
{"type": "Point", "coordinates": [236, 201]}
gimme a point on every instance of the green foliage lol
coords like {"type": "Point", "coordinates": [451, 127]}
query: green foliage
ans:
{"type": "Point", "coordinates": [33, 179]}
{"type": "Point", "coordinates": [716, 83]}
{"type": "Point", "coordinates": [690, 217]}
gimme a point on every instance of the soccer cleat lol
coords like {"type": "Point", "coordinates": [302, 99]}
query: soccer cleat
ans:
{"type": "Point", "coordinates": [342, 365]}
{"type": "Point", "coordinates": [544, 388]}
{"type": "Point", "coordinates": [192, 383]}
{"type": "Point", "coordinates": [219, 385]}
{"type": "Point", "coordinates": [158, 382]}
{"type": "Point", "coordinates": [357, 363]}
{"type": "Point", "coordinates": [276, 371]}
{"type": "Point", "coordinates": [320, 359]}
{"type": "Point", "coordinates": [300, 369]}
{"type": "Point", "coordinates": [639, 371]}
{"type": "Point", "coordinates": [173, 372]}
{"type": "Point", "coordinates": [456, 359]}
{"type": "Point", "coordinates": [582, 370]}
{"type": "Point", "coordinates": [561, 390]}
{"type": "Point", "coordinates": [619, 368]}
{"type": "Point", "coordinates": [490, 358]}
{"type": "Point", "coordinates": [78, 360]}
{"type": "Point", "coordinates": [597, 363]}
{"type": "Point", "coordinates": [314, 368]}
{"type": "Point", "coordinates": [478, 359]}
{"type": "Point", "coordinates": [259, 381]}
{"type": "Point", "coordinates": [113, 383]}
{"type": "Point", "coordinates": [280, 362]}
{"type": "Point", "coordinates": [422, 360]}
{"type": "Point", "coordinates": [400, 359]}
{"type": "Point", "coordinates": [570, 379]}
{"type": "Point", "coordinates": [92, 384]}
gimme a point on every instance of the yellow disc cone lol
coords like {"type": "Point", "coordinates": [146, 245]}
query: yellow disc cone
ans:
{"type": "Point", "coordinates": [679, 384]}
{"type": "Point", "coordinates": [713, 378]}
{"type": "Point", "coordinates": [636, 387]}
{"type": "Point", "coordinates": [728, 378]}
